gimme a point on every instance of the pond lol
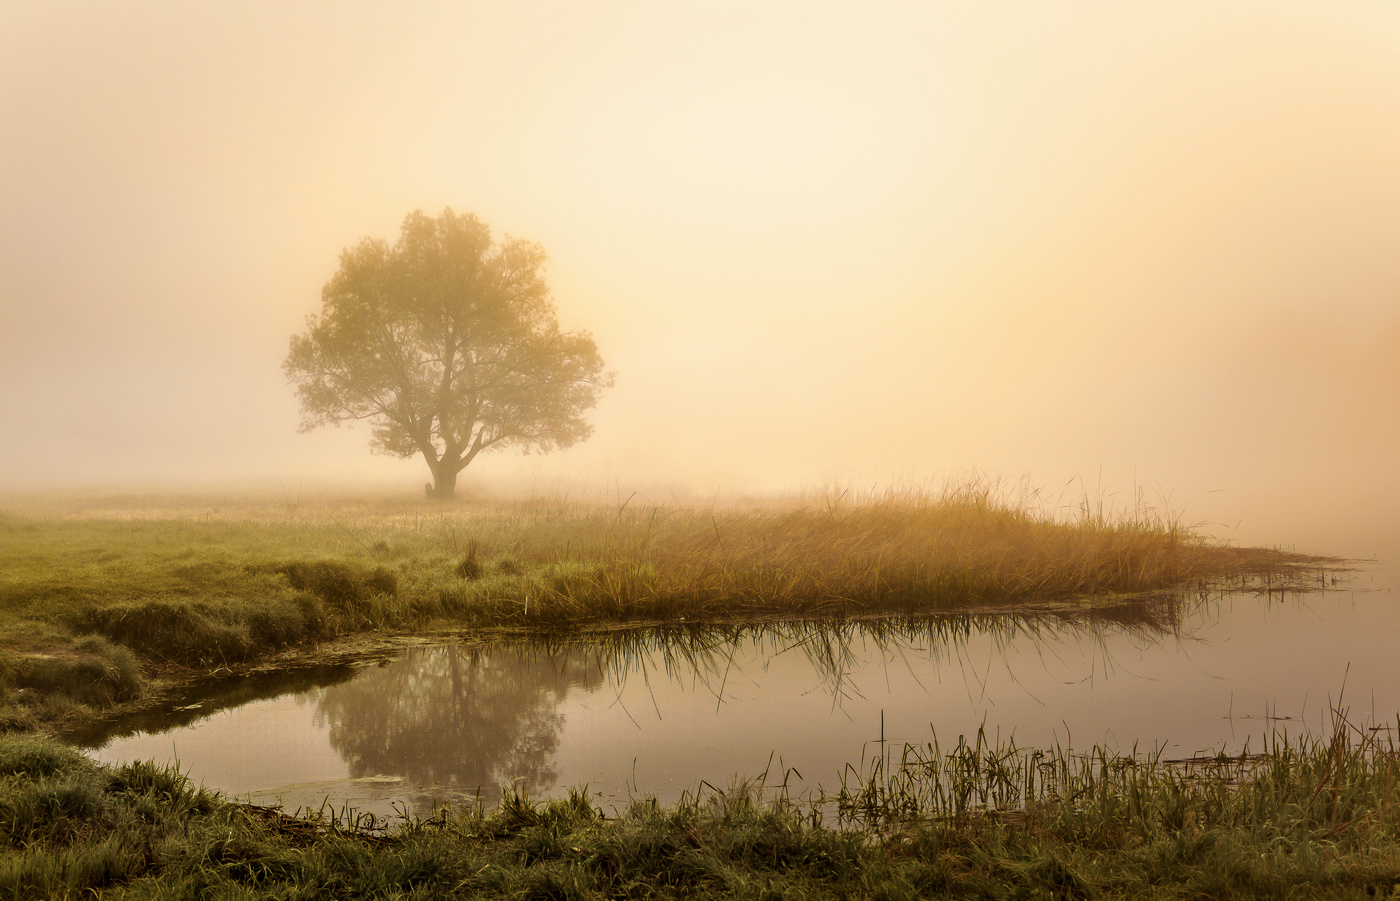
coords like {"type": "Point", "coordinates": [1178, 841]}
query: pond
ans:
{"type": "Point", "coordinates": [662, 712]}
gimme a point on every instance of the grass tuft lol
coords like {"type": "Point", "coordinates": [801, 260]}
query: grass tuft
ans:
{"type": "Point", "coordinates": [470, 568]}
{"type": "Point", "coordinates": [341, 584]}
{"type": "Point", "coordinates": [94, 671]}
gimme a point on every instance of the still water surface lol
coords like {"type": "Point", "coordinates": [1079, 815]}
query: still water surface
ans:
{"type": "Point", "coordinates": [654, 713]}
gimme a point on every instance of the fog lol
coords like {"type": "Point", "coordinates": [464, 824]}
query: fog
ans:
{"type": "Point", "coordinates": [1089, 247]}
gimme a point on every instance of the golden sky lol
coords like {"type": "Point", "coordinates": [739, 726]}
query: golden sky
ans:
{"type": "Point", "coordinates": [865, 244]}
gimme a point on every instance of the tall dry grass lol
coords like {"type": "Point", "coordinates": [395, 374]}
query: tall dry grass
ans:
{"type": "Point", "coordinates": [906, 553]}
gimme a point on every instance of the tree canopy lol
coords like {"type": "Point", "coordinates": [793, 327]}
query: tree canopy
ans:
{"type": "Point", "coordinates": [448, 343]}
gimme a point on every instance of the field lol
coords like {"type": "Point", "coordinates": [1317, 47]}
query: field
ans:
{"type": "Point", "coordinates": [103, 600]}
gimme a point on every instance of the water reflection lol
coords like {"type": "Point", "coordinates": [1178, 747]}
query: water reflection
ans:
{"type": "Point", "coordinates": [652, 711]}
{"type": "Point", "coordinates": [454, 720]}
{"type": "Point", "coordinates": [207, 698]}
{"type": "Point", "coordinates": [704, 658]}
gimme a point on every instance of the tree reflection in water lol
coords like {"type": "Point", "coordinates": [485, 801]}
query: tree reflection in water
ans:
{"type": "Point", "coordinates": [457, 719]}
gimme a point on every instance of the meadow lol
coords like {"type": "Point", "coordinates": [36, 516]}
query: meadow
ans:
{"type": "Point", "coordinates": [104, 600]}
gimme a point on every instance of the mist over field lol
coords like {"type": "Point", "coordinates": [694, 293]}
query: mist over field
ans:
{"type": "Point", "coordinates": [1084, 247]}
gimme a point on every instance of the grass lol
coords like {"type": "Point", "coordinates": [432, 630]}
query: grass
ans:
{"type": "Point", "coordinates": [1304, 818]}
{"type": "Point", "coordinates": [100, 595]}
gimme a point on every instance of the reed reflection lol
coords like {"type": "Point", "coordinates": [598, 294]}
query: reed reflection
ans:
{"type": "Point", "coordinates": [708, 657]}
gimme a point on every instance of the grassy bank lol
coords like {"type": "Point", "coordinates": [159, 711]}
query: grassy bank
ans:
{"type": "Point", "coordinates": [1305, 819]}
{"type": "Point", "coordinates": [98, 596]}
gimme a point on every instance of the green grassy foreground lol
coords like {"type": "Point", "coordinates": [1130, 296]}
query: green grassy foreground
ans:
{"type": "Point", "coordinates": [98, 597]}
{"type": "Point", "coordinates": [1304, 820]}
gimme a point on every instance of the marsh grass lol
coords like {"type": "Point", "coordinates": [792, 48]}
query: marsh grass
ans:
{"type": "Point", "coordinates": [974, 779]}
{"type": "Point", "coordinates": [1302, 818]}
{"type": "Point", "coordinates": [204, 583]}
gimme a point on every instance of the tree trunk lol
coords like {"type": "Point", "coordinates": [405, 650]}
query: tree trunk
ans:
{"type": "Point", "coordinates": [444, 481]}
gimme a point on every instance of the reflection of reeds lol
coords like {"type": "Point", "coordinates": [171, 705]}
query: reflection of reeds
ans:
{"type": "Point", "coordinates": [708, 655]}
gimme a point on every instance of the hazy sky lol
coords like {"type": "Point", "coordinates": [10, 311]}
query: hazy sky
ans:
{"type": "Point", "coordinates": [862, 243]}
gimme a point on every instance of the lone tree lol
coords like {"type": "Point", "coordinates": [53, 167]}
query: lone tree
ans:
{"type": "Point", "coordinates": [448, 343]}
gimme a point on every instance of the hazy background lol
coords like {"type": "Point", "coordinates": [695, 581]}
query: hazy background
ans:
{"type": "Point", "coordinates": [1095, 244]}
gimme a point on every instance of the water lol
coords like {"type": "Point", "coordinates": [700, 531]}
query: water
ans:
{"type": "Point", "coordinates": [660, 713]}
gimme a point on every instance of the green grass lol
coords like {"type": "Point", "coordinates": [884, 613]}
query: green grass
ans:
{"type": "Point", "coordinates": [200, 584]}
{"type": "Point", "coordinates": [1305, 818]}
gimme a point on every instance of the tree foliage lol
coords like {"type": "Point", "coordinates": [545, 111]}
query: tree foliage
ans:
{"type": "Point", "coordinates": [448, 343]}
